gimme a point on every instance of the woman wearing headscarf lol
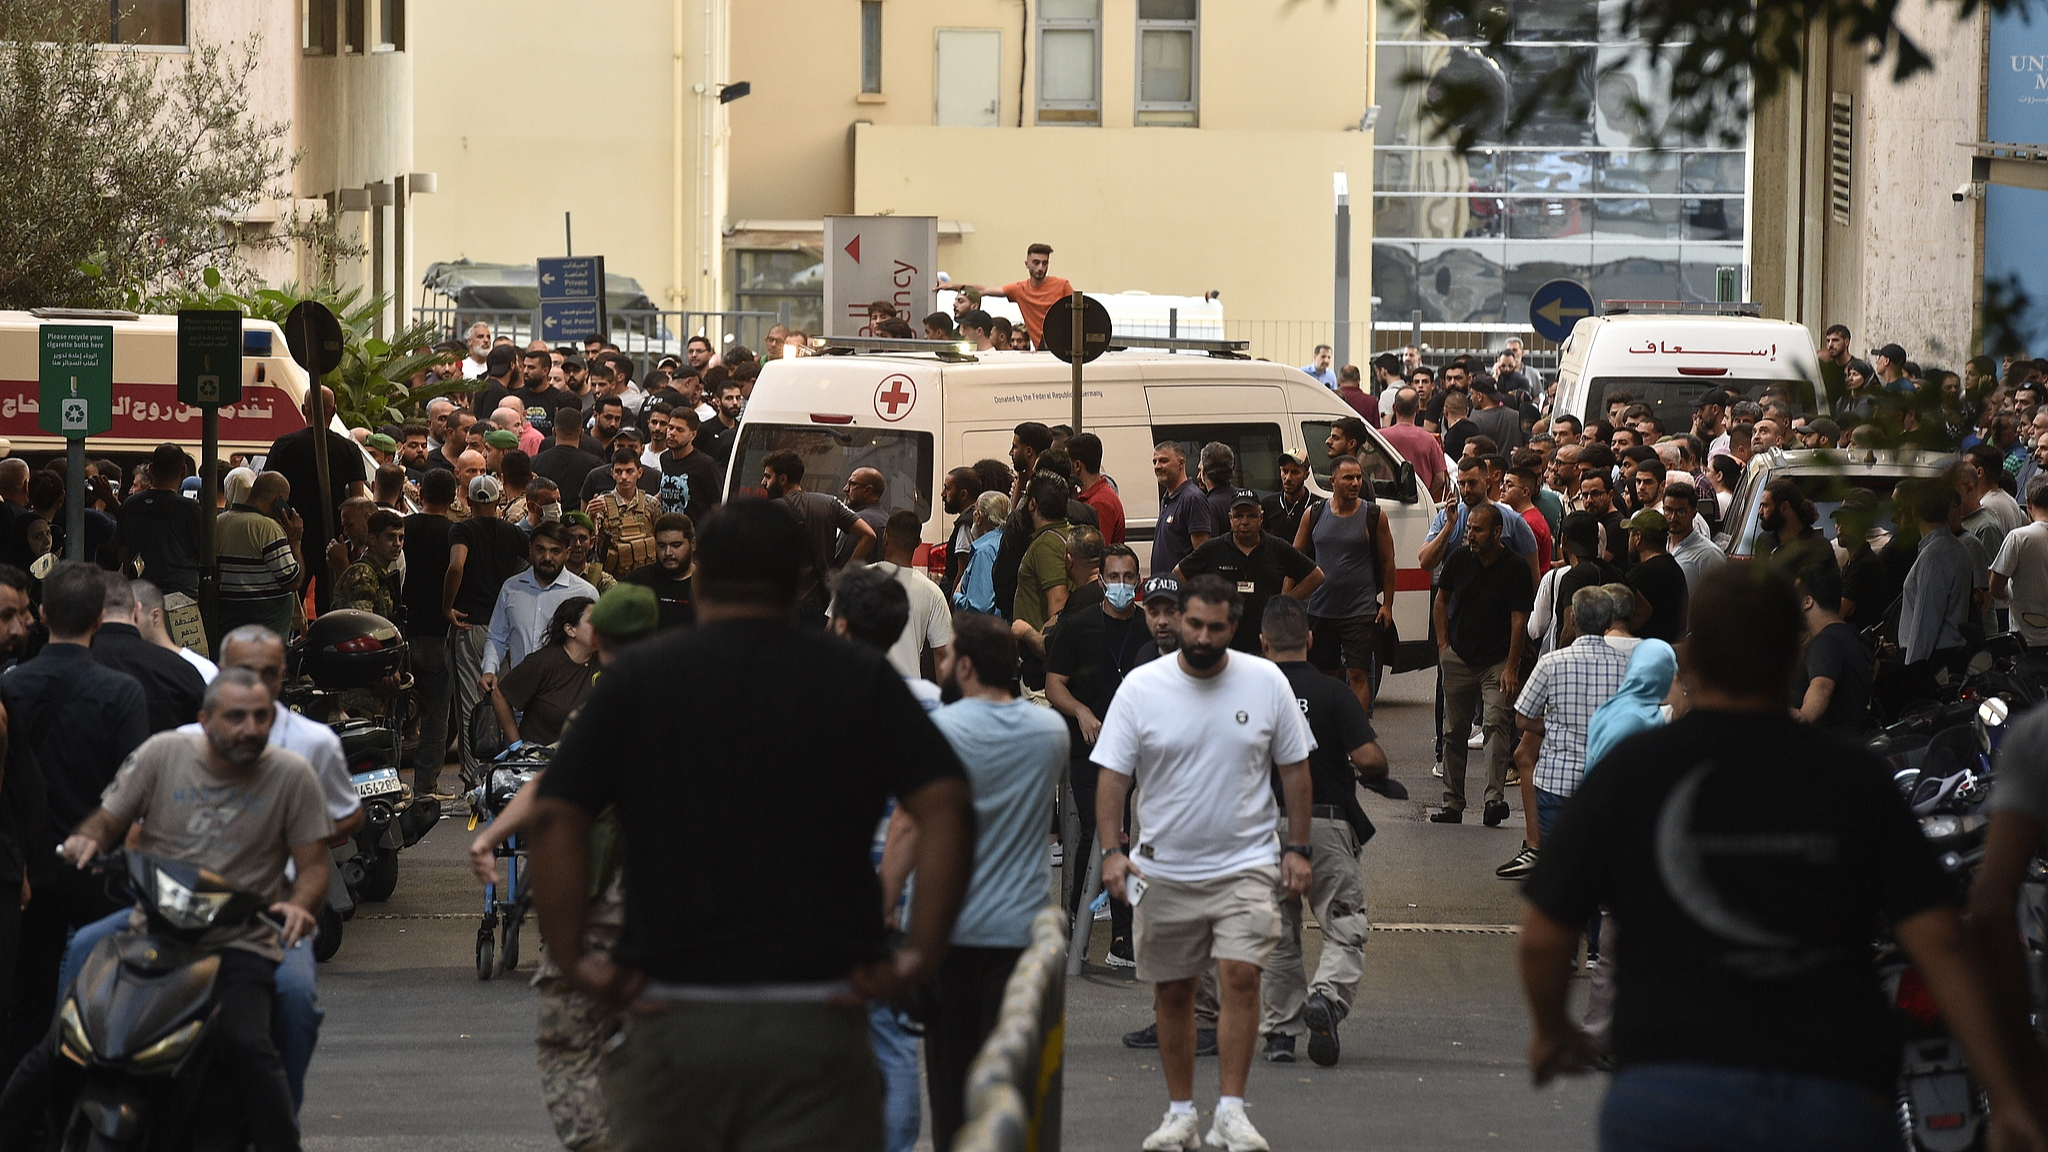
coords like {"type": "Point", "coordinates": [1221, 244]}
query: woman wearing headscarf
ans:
{"type": "Point", "coordinates": [1637, 707]}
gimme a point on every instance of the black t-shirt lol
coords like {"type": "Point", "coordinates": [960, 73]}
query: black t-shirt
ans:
{"type": "Point", "coordinates": [544, 688]}
{"type": "Point", "coordinates": [1836, 653]}
{"type": "Point", "coordinates": [1455, 437]}
{"type": "Point", "coordinates": [1482, 598]}
{"type": "Point", "coordinates": [567, 467]}
{"type": "Point", "coordinates": [1257, 577]}
{"type": "Point", "coordinates": [678, 606]}
{"type": "Point", "coordinates": [690, 811]}
{"type": "Point", "coordinates": [1095, 651]}
{"type": "Point", "coordinates": [163, 529]}
{"type": "Point", "coordinates": [1661, 580]}
{"type": "Point", "coordinates": [426, 561]}
{"type": "Point", "coordinates": [292, 455]}
{"type": "Point", "coordinates": [715, 440]}
{"type": "Point", "coordinates": [1868, 587]}
{"type": "Point", "coordinates": [1585, 574]}
{"type": "Point", "coordinates": [1339, 724]}
{"type": "Point", "coordinates": [1284, 519]}
{"type": "Point", "coordinates": [497, 552]}
{"type": "Point", "coordinates": [488, 397]}
{"type": "Point", "coordinates": [1748, 922]}
{"type": "Point", "coordinates": [689, 484]}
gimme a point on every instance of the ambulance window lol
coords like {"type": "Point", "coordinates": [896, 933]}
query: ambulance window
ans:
{"type": "Point", "coordinates": [1384, 473]}
{"type": "Point", "coordinates": [1257, 447]}
{"type": "Point", "coordinates": [831, 453]}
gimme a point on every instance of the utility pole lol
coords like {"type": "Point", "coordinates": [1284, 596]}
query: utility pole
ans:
{"type": "Point", "coordinates": [1340, 341]}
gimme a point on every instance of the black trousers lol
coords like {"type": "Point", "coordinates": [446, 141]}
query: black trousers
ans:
{"type": "Point", "coordinates": [1082, 778]}
{"type": "Point", "coordinates": [967, 999]}
{"type": "Point", "coordinates": [66, 899]}
{"type": "Point", "coordinates": [249, 1081]}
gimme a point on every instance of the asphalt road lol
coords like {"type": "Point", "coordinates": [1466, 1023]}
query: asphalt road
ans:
{"type": "Point", "coordinates": [418, 1054]}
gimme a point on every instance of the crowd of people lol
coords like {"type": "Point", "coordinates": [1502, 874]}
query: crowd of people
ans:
{"type": "Point", "coordinates": [552, 538]}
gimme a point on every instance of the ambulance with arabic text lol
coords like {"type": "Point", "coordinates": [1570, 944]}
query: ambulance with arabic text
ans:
{"type": "Point", "coordinates": [1666, 359]}
{"type": "Point", "coordinates": [146, 408]}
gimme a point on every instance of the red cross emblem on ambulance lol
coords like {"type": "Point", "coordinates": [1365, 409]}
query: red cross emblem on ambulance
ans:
{"type": "Point", "coordinates": [895, 396]}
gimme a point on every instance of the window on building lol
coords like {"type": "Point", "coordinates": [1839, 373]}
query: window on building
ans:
{"type": "Point", "coordinates": [1169, 61]}
{"type": "Point", "coordinates": [871, 45]}
{"type": "Point", "coordinates": [1070, 62]}
{"type": "Point", "coordinates": [158, 23]}
{"type": "Point", "coordinates": [765, 279]}
{"type": "Point", "coordinates": [319, 34]}
{"type": "Point", "coordinates": [391, 25]}
{"type": "Point", "coordinates": [354, 30]}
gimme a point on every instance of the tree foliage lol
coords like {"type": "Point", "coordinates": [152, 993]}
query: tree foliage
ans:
{"type": "Point", "coordinates": [121, 171]}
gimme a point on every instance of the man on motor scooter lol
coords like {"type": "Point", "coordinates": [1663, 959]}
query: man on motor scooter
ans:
{"type": "Point", "coordinates": [295, 1025]}
{"type": "Point", "coordinates": [228, 801]}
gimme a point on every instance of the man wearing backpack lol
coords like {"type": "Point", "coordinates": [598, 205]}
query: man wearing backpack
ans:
{"type": "Point", "coordinates": [1352, 609]}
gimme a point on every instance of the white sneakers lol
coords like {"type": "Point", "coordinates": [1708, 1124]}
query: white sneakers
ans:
{"type": "Point", "coordinates": [1178, 1132]}
{"type": "Point", "coordinates": [1231, 1130]}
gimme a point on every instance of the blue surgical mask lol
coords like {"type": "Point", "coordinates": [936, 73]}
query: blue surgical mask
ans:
{"type": "Point", "coordinates": [1120, 596]}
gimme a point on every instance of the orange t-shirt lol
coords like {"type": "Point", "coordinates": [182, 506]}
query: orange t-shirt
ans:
{"type": "Point", "coordinates": [1033, 299]}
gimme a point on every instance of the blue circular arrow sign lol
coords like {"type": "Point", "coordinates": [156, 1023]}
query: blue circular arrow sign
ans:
{"type": "Point", "coordinates": [1557, 306]}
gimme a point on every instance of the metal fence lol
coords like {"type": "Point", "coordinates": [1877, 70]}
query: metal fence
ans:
{"type": "Point", "coordinates": [1013, 1089]}
{"type": "Point", "coordinates": [1294, 341]}
{"type": "Point", "coordinates": [644, 334]}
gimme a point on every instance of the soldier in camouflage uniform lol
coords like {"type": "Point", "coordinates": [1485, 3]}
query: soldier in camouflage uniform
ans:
{"type": "Point", "coordinates": [371, 583]}
{"type": "Point", "coordinates": [582, 541]}
{"type": "Point", "coordinates": [575, 1030]}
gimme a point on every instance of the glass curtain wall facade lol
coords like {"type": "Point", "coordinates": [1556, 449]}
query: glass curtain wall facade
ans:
{"type": "Point", "coordinates": [1613, 198]}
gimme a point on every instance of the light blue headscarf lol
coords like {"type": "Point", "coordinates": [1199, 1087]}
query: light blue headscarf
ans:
{"type": "Point", "coordinates": [1635, 708]}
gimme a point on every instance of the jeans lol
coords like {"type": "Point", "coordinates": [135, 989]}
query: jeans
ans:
{"type": "Point", "coordinates": [896, 1055]}
{"type": "Point", "coordinates": [261, 1103]}
{"type": "Point", "coordinates": [1707, 1108]}
{"type": "Point", "coordinates": [294, 1024]}
{"type": "Point", "coordinates": [465, 670]}
{"type": "Point", "coordinates": [433, 690]}
{"type": "Point", "coordinates": [1549, 806]}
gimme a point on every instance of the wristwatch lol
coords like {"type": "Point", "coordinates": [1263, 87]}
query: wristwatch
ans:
{"type": "Point", "coordinates": [1305, 851]}
{"type": "Point", "coordinates": [1115, 850]}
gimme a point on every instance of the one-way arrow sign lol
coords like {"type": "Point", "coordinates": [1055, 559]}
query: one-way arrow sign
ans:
{"type": "Point", "coordinates": [1556, 307]}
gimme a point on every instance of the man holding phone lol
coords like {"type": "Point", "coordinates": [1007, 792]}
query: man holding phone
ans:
{"type": "Point", "coordinates": [1200, 736]}
{"type": "Point", "coordinates": [259, 551]}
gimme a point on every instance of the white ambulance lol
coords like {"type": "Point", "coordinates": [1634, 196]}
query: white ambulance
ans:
{"type": "Point", "coordinates": [1666, 358]}
{"type": "Point", "coordinates": [146, 408]}
{"type": "Point", "coordinates": [914, 417]}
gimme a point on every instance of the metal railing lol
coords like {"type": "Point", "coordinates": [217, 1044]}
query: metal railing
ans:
{"type": "Point", "coordinates": [644, 334]}
{"type": "Point", "coordinates": [1013, 1089]}
{"type": "Point", "coordinates": [1294, 341]}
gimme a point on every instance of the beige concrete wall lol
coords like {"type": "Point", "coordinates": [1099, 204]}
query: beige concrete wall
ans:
{"type": "Point", "coordinates": [1244, 212]}
{"type": "Point", "coordinates": [537, 107]}
{"type": "Point", "coordinates": [1915, 276]}
{"type": "Point", "coordinates": [1275, 74]}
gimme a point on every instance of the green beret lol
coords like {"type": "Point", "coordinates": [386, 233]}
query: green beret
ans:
{"type": "Point", "coordinates": [625, 611]}
{"type": "Point", "coordinates": [500, 438]}
{"type": "Point", "coordinates": [381, 442]}
{"type": "Point", "coordinates": [580, 519]}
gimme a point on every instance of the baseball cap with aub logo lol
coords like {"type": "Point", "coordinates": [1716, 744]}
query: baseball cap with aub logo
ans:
{"type": "Point", "coordinates": [1165, 588]}
{"type": "Point", "coordinates": [1245, 498]}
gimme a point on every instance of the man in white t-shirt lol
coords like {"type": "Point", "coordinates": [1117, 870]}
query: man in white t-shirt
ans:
{"type": "Point", "coordinates": [1199, 736]}
{"type": "Point", "coordinates": [2020, 574]}
{"type": "Point", "coordinates": [931, 619]}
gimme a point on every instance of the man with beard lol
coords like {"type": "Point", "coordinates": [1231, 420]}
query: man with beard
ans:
{"type": "Point", "coordinates": [715, 437]}
{"type": "Point", "coordinates": [527, 601]}
{"type": "Point", "coordinates": [675, 538]}
{"type": "Point", "coordinates": [231, 802]}
{"type": "Point", "coordinates": [1199, 737]}
{"type": "Point", "coordinates": [820, 518]}
{"type": "Point", "coordinates": [958, 495]}
{"type": "Point", "coordinates": [690, 479]}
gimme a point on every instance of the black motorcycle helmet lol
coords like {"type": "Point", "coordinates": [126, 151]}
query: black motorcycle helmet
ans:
{"type": "Point", "coordinates": [349, 648]}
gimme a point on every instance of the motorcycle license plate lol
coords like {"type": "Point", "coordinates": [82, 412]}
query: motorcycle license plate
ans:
{"type": "Point", "coordinates": [382, 782]}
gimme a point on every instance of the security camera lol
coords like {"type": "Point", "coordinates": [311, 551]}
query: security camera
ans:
{"type": "Point", "coordinates": [1970, 191]}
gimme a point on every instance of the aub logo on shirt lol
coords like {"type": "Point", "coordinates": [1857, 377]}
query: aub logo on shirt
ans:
{"type": "Point", "coordinates": [1244, 718]}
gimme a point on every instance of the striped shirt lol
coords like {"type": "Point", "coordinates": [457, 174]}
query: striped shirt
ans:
{"type": "Point", "coordinates": [256, 561]}
{"type": "Point", "coordinates": [1564, 691]}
